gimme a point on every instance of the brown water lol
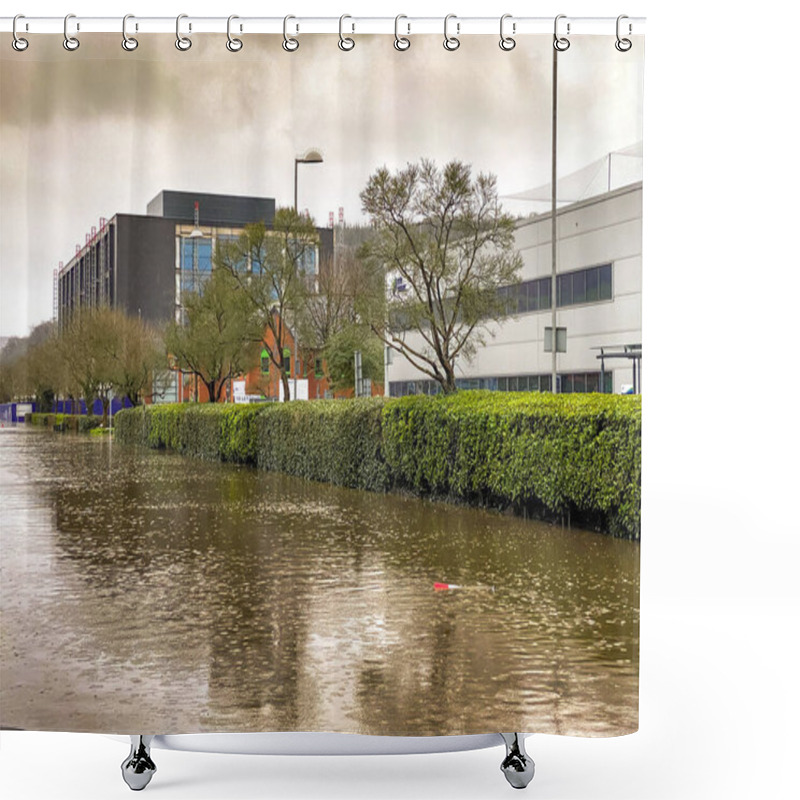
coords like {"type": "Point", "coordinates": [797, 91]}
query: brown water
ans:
{"type": "Point", "coordinates": [147, 592]}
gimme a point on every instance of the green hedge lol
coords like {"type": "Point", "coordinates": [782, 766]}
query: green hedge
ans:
{"type": "Point", "coordinates": [565, 456]}
{"type": "Point", "coordinates": [65, 422]}
{"type": "Point", "coordinates": [576, 455]}
{"type": "Point", "coordinates": [327, 440]}
{"type": "Point", "coordinates": [337, 441]}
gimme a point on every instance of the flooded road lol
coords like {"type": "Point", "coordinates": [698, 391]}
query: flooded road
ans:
{"type": "Point", "coordinates": [144, 591]}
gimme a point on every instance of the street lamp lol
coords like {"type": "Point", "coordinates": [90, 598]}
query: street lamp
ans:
{"type": "Point", "coordinates": [311, 157]}
{"type": "Point", "coordinates": [195, 234]}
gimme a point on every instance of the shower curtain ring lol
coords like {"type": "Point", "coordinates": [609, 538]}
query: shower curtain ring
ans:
{"type": "Point", "coordinates": [623, 45]}
{"type": "Point", "coordinates": [129, 43]}
{"type": "Point", "coordinates": [71, 43]}
{"type": "Point", "coordinates": [506, 42]}
{"type": "Point", "coordinates": [182, 42]}
{"type": "Point", "coordinates": [345, 42]}
{"type": "Point", "coordinates": [18, 43]}
{"type": "Point", "coordinates": [451, 42]}
{"type": "Point", "coordinates": [290, 44]}
{"type": "Point", "coordinates": [400, 42]}
{"type": "Point", "coordinates": [560, 43]}
{"type": "Point", "coordinates": [234, 45]}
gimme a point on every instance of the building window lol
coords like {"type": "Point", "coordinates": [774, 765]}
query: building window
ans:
{"type": "Point", "coordinates": [561, 340]}
{"type": "Point", "coordinates": [589, 285]}
{"type": "Point", "coordinates": [287, 360]}
{"type": "Point", "coordinates": [568, 383]}
{"type": "Point", "coordinates": [203, 245]}
{"type": "Point", "coordinates": [265, 362]}
{"type": "Point", "coordinates": [526, 296]}
{"type": "Point", "coordinates": [582, 382]}
{"type": "Point", "coordinates": [584, 286]}
{"type": "Point", "coordinates": [318, 371]}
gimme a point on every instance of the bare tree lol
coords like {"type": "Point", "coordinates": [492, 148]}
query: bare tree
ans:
{"type": "Point", "coordinates": [136, 350]}
{"type": "Point", "coordinates": [105, 352]}
{"type": "Point", "coordinates": [30, 368]}
{"type": "Point", "coordinates": [84, 349]}
{"type": "Point", "coordinates": [444, 247]}
{"type": "Point", "coordinates": [219, 339]}
{"type": "Point", "coordinates": [274, 270]}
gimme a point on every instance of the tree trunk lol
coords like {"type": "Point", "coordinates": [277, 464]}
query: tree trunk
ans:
{"type": "Point", "coordinates": [285, 381]}
{"type": "Point", "coordinates": [449, 381]}
{"type": "Point", "coordinates": [104, 423]}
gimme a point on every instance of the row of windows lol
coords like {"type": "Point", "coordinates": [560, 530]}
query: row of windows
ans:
{"type": "Point", "coordinates": [196, 254]}
{"type": "Point", "coordinates": [299, 367]}
{"type": "Point", "coordinates": [527, 296]}
{"type": "Point", "coordinates": [589, 285]}
{"type": "Point", "coordinates": [568, 383]}
{"type": "Point", "coordinates": [584, 286]}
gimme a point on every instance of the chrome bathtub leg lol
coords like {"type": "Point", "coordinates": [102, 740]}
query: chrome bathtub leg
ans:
{"type": "Point", "coordinates": [138, 768]}
{"type": "Point", "coordinates": [517, 766]}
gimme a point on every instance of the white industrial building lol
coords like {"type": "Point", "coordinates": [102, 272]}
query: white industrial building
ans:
{"type": "Point", "coordinates": [599, 308]}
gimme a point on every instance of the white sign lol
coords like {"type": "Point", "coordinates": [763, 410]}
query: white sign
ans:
{"type": "Point", "coordinates": [239, 395]}
{"type": "Point", "coordinates": [298, 389]}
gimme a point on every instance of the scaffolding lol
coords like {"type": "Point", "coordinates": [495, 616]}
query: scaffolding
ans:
{"type": "Point", "coordinates": [87, 280]}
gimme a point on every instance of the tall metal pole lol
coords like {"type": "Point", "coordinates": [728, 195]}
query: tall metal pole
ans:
{"type": "Point", "coordinates": [554, 227]}
{"type": "Point", "coordinates": [296, 162]}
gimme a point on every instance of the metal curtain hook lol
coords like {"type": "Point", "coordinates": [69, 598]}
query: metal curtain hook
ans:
{"type": "Point", "coordinates": [234, 45]}
{"type": "Point", "coordinates": [18, 43]}
{"type": "Point", "coordinates": [451, 42]}
{"type": "Point", "coordinates": [182, 42]}
{"type": "Point", "coordinates": [71, 43]}
{"type": "Point", "coordinates": [400, 42]}
{"type": "Point", "coordinates": [560, 43]}
{"type": "Point", "coordinates": [623, 45]}
{"type": "Point", "coordinates": [506, 42]}
{"type": "Point", "coordinates": [128, 42]}
{"type": "Point", "coordinates": [345, 42]}
{"type": "Point", "coordinates": [290, 44]}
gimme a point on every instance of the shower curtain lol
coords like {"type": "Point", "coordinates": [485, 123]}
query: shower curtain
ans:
{"type": "Point", "coordinates": [459, 557]}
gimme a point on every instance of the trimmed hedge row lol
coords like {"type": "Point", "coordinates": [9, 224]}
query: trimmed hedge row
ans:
{"type": "Point", "coordinates": [328, 440]}
{"type": "Point", "coordinates": [79, 423]}
{"type": "Point", "coordinates": [546, 455]}
{"type": "Point", "coordinates": [338, 441]}
{"type": "Point", "coordinates": [574, 454]}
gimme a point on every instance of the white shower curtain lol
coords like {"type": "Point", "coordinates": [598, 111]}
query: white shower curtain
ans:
{"type": "Point", "coordinates": [488, 578]}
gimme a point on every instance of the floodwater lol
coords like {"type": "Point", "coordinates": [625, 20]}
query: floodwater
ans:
{"type": "Point", "coordinates": [144, 591]}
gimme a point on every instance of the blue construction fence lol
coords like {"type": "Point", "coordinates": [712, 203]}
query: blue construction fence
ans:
{"type": "Point", "coordinates": [15, 412]}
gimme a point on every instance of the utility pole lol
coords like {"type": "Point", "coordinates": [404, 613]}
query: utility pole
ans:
{"type": "Point", "coordinates": [358, 379]}
{"type": "Point", "coordinates": [554, 227]}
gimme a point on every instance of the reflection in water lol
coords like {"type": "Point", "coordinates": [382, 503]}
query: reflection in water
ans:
{"type": "Point", "coordinates": [144, 591]}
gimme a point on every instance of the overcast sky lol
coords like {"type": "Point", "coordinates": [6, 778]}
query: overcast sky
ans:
{"type": "Point", "coordinates": [101, 131]}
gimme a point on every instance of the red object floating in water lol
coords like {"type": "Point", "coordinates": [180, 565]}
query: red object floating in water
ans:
{"type": "Point", "coordinates": [440, 587]}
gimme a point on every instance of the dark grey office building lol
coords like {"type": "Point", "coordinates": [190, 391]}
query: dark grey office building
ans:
{"type": "Point", "coordinates": [143, 263]}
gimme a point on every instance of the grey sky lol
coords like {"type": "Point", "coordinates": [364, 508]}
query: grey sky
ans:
{"type": "Point", "coordinates": [101, 131]}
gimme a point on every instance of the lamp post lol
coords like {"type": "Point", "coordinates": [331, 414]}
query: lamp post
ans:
{"type": "Point", "coordinates": [311, 157]}
{"type": "Point", "coordinates": [195, 234]}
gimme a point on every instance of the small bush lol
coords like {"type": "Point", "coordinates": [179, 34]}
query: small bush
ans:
{"type": "Point", "coordinates": [65, 422]}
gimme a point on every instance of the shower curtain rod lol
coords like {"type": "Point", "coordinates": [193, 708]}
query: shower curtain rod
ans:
{"type": "Point", "coordinates": [404, 25]}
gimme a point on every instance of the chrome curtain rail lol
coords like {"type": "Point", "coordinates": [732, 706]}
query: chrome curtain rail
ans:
{"type": "Point", "coordinates": [330, 25]}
